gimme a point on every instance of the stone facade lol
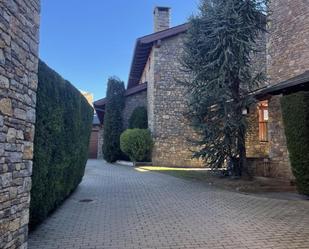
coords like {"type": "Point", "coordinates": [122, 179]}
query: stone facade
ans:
{"type": "Point", "coordinates": [254, 147]}
{"type": "Point", "coordinates": [288, 41]}
{"type": "Point", "coordinates": [167, 107]}
{"type": "Point", "coordinates": [278, 151]}
{"type": "Point", "coordinates": [287, 56]}
{"type": "Point", "coordinates": [167, 103]}
{"type": "Point", "coordinates": [268, 158]}
{"type": "Point", "coordinates": [19, 36]}
{"type": "Point", "coordinates": [131, 102]}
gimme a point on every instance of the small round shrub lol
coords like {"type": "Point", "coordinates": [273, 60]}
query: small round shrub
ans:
{"type": "Point", "coordinates": [137, 144]}
{"type": "Point", "coordinates": [139, 118]}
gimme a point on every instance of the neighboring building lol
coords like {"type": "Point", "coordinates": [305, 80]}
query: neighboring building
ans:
{"type": "Point", "coordinates": [94, 145]}
{"type": "Point", "coordinates": [88, 96]}
{"type": "Point", "coordinates": [156, 68]}
{"type": "Point", "coordinates": [96, 137]}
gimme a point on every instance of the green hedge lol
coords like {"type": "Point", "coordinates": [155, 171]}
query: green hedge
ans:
{"type": "Point", "coordinates": [137, 144]}
{"type": "Point", "coordinates": [139, 118]}
{"type": "Point", "coordinates": [295, 108]}
{"type": "Point", "coordinates": [113, 125]}
{"type": "Point", "coordinates": [63, 126]}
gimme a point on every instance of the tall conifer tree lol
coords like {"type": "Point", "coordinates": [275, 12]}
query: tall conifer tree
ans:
{"type": "Point", "coordinates": [220, 45]}
{"type": "Point", "coordinates": [113, 126]}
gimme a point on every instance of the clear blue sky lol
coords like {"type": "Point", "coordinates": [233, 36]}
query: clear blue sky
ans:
{"type": "Point", "coordinates": [88, 41]}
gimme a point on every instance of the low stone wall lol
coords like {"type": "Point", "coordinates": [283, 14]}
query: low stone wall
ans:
{"type": "Point", "coordinates": [19, 35]}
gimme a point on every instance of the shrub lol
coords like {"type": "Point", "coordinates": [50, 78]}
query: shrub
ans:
{"type": "Point", "coordinates": [113, 126]}
{"type": "Point", "coordinates": [139, 118]}
{"type": "Point", "coordinates": [63, 126]}
{"type": "Point", "coordinates": [295, 110]}
{"type": "Point", "coordinates": [137, 144]}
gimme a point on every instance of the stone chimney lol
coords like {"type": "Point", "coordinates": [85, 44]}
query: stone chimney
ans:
{"type": "Point", "coordinates": [162, 18]}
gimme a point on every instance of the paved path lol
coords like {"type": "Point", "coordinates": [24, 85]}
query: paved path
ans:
{"type": "Point", "coordinates": [143, 210]}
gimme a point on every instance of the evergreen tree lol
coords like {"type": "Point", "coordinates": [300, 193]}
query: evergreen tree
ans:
{"type": "Point", "coordinates": [113, 119]}
{"type": "Point", "coordinates": [218, 56]}
{"type": "Point", "coordinates": [139, 118]}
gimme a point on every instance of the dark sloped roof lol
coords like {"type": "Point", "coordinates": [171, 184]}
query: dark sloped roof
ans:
{"type": "Point", "coordinates": [143, 48]}
{"type": "Point", "coordinates": [295, 84]}
{"type": "Point", "coordinates": [136, 89]}
{"type": "Point", "coordinates": [99, 105]}
{"type": "Point", "coordinates": [100, 102]}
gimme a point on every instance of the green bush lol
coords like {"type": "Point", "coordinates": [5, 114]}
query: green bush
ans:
{"type": "Point", "coordinates": [139, 118]}
{"type": "Point", "coordinates": [295, 108]}
{"type": "Point", "coordinates": [63, 126]}
{"type": "Point", "coordinates": [137, 144]}
{"type": "Point", "coordinates": [113, 126]}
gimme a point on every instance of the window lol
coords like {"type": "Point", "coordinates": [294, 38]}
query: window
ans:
{"type": "Point", "coordinates": [263, 121]}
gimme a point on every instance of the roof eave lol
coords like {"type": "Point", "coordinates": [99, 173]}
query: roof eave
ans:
{"type": "Point", "coordinates": [293, 85]}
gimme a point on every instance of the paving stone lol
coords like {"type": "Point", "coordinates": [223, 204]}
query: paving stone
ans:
{"type": "Point", "coordinates": [139, 210]}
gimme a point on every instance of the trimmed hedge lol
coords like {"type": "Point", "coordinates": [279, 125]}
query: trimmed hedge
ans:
{"type": "Point", "coordinates": [295, 109]}
{"type": "Point", "coordinates": [137, 144]}
{"type": "Point", "coordinates": [113, 126]}
{"type": "Point", "coordinates": [139, 118]}
{"type": "Point", "coordinates": [63, 126]}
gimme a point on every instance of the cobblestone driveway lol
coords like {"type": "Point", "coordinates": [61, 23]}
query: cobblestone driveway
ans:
{"type": "Point", "coordinates": [134, 209]}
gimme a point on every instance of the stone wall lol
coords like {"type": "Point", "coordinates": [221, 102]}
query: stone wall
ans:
{"type": "Point", "coordinates": [254, 147]}
{"type": "Point", "coordinates": [287, 56]}
{"type": "Point", "coordinates": [288, 41]}
{"type": "Point", "coordinates": [131, 102]}
{"type": "Point", "coordinates": [278, 152]}
{"type": "Point", "coordinates": [151, 90]}
{"type": "Point", "coordinates": [19, 35]}
{"type": "Point", "coordinates": [167, 105]}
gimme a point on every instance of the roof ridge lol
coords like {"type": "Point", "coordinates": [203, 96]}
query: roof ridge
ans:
{"type": "Point", "coordinates": [165, 30]}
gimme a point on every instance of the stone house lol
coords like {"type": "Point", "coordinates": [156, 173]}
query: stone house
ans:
{"type": "Point", "coordinates": [287, 71]}
{"type": "Point", "coordinates": [153, 83]}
